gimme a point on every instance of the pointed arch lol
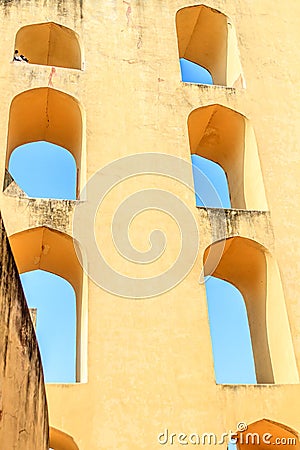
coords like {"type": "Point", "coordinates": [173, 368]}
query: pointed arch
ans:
{"type": "Point", "coordinates": [53, 251]}
{"type": "Point", "coordinates": [265, 433]}
{"type": "Point", "coordinates": [61, 441]}
{"type": "Point", "coordinates": [249, 267]}
{"type": "Point", "coordinates": [207, 37]}
{"type": "Point", "coordinates": [227, 138]}
{"type": "Point", "coordinates": [49, 44]}
{"type": "Point", "coordinates": [46, 114]}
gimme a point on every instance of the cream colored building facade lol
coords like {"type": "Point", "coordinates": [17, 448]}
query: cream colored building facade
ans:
{"type": "Point", "coordinates": [103, 81]}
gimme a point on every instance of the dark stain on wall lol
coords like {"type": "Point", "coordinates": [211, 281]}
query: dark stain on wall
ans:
{"type": "Point", "coordinates": [63, 6]}
{"type": "Point", "coordinates": [6, 4]}
{"type": "Point", "coordinates": [56, 214]}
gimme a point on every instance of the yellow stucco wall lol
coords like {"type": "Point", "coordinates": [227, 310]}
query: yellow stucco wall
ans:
{"type": "Point", "coordinates": [149, 362]}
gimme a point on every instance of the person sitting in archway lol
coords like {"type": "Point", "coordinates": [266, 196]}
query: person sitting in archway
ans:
{"type": "Point", "coordinates": [23, 58]}
{"type": "Point", "coordinates": [17, 57]}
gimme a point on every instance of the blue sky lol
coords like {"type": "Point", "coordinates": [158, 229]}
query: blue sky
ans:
{"type": "Point", "coordinates": [45, 170]}
{"type": "Point", "coordinates": [54, 299]}
{"type": "Point", "coordinates": [192, 73]}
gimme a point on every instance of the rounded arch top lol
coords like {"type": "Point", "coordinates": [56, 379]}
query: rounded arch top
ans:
{"type": "Point", "coordinates": [61, 441]}
{"type": "Point", "coordinates": [226, 137]}
{"type": "Point", "coordinates": [205, 38]}
{"type": "Point", "coordinates": [49, 250]}
{"type": "Point", "coordinates": [201, 5]}
{"type": "Point", "coordinates": [229, 125]}
{"type": "Point", "coordinates": [225, 257]}
{"type": "Point", "coordinates": [43, 248]}
{"type": "Point", "coordinates": [265, 433]}
{"type": "Point", "coordinates": [45, 114]}
{"type": "Point", "coordinates": [49, 44]}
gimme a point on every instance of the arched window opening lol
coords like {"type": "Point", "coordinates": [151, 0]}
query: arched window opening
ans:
{"type": "Point", "coordinates": [61, 441]}
{"type": "Point", "coordinates": [43, 249]}
{"type": "Point", "coordinates": [226, 137]}
{"type": "Point", "coordinates": [265, 433]}
{"type": "Point", "coordinates": [193, 73]}
{"type": "Point", "coordinates": [251, 269]}
{"type": "Point", "coordinates": [207, 38]}
{"type": "Point", "coordinates": [44, 170]}
{"type": "Point", "coordinates": [55, 303]}
{"type": "Point", "coordinates": [47, 115]}
{"type": "Point", "coordinates": [217, 179]}
{"type": "Point", "coordinates": [229, 328]}
{"type": "Point", "coordinates": [49, 44]}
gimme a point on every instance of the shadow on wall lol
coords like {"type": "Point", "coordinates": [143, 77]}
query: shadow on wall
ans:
{"type": "Point", "coordinates": [265, 433]}
{"type": "Point", "coordinates": [45, 249]}
{"type": "Point", "coordinates": [37, 115]}
{"type": "Point", "coordinates": [227, 138]}
{"type": "Point", "coordinates": [55, 303]}
{"type": "Point", "coordinates": [24, 412]}
{"type": "Point", "coordinates": [61, 441]}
